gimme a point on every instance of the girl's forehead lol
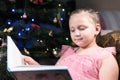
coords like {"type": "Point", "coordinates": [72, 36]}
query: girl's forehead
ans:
{"type": "Point", "coordinates": [81, 16]}
{"type": "Point", "coordinates": [81, 20]}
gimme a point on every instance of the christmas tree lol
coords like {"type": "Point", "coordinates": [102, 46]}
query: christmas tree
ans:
{"type": "Point", "coordinates": [38, 27]}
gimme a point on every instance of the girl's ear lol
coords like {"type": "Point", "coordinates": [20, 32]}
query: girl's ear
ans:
{"type": "Point", "coordinates": [98, 29]}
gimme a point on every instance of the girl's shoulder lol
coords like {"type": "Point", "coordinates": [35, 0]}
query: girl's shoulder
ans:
{"type": "Point", "coordinates": [108, 50]}
{"type": "Point", "coordinates": [102, 53]}
{"type": "Point", "coordinates": [111, 50]}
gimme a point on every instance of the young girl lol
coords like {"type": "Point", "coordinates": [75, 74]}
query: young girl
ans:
{"type": "Point", "coordinates": [88, 61]}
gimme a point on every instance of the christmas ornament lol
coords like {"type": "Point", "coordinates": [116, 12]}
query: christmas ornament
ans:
{"type": "Point", "coordinates": [24, 16]}
{"type": "Point", "coordinates": [37, 1]}
{"type": "Point", "coordinates": [51, 33]}
{"type": "Point", "coordinates": [35, 25]}
{"type": "Point", "coordinates": [55, 20]}
{"type": "Point", "coordinates": [8, 30]}
{"type": "Point", "coordinates": [26, 51]}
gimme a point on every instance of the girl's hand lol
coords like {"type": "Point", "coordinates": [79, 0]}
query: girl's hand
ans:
{"type": "Point", "coordinates": [30, 60]}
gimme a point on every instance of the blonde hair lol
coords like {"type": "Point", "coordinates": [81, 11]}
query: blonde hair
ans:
{"type": "Point", "coordinates": [91, 13]}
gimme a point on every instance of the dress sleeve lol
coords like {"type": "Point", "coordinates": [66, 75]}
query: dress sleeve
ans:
{"type": "Point", "coordinates": [66, 50]}
{"type": "Point", "coordinates": [111, 49]}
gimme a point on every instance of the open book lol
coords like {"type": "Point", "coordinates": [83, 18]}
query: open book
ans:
{"type": "Point", "coordinates": [17, 67]}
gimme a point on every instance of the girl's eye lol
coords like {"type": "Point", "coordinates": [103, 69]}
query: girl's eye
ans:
{"type": "Point", "coordinates": [72, 30]}
{"type": "Point", "coordinates": [82, 27]}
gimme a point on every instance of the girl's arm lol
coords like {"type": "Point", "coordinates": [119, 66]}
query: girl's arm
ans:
{"type": "Point", "coordinates": [109, 69]}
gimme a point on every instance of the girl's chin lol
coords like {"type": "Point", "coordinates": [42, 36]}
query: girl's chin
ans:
{"type": "Point", "coordinates": [81, 45]}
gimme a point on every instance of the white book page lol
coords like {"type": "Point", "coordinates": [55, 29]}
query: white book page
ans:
{"type": "Point", "coordinates": [38, 68]}
{"type": "Point", "coordinates": [14, 56]}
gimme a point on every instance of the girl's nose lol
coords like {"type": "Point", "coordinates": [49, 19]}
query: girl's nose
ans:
{"type": "Point", "coordinates": [77, 32]}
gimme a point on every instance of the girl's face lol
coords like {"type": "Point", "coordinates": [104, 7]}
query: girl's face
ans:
{"type": "Point", "coordinates": [83, 30]}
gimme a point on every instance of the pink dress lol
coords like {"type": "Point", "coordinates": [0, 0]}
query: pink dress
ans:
{"type": "Point", "coordinates": [83, 67]}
